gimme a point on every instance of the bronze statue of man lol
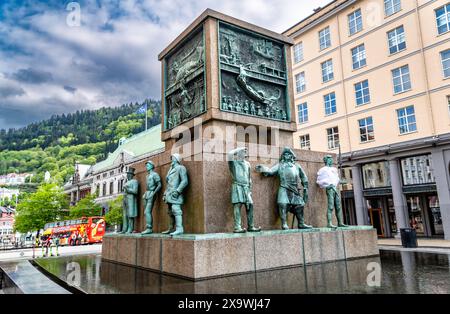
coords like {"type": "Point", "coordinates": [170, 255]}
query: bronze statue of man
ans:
{"type": "Point", "coordinates": [241, 189]}
{"type": "Point", "coordinates": [130, 207]}
{"type": "Point", "coordinates": [177, 181]}
{"type": "Point", "coordinates": [289, 199]}
{"type": "Point", "coordinates": [328, 179]}
{"type": "Point", "coordinates": [153, 184]}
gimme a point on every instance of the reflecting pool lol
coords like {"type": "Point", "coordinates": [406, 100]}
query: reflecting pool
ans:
{"type": "Point", "coordinates": [391, 272]}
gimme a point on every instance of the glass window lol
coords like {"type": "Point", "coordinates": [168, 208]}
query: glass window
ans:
{"type": "Point", "coordinates": [298, 53]}
{"type": "Point", "coordinates": [406, 120]}
{"type": "Point", "coordinates": [417, 170]}
{"type": "Point", "coordinates": [396, 40]}
{"type": "Point", "coordinates": [392, 6]}
{"type": "Point", "coordinates": [401, 79]}
{"type": "Point", "coordinates": [305, 142]}
{"type": "Point", "coordinates": [443, 18]}
{"type": "Point", "coordinates": [359, 57]}
{"type": "Point", "coordinates": [327, 71]}
{"type": "Point", "coordinates": [376, 175]}
{"type": "Point", "coordinates": [333, 138]}
{"type": "Point", "coordinates": [325, 38]}
{"type": "Point", "coordinates": [366, 129]}
{"type": "Point", "coordinates": [347, 178]}
{"type": "Point", "coordinates": [445, 58]}
{"type": "Point", "coordinates": [111, 187]}
{"type": "Point", "coordinates": [362, 93]}
{"type": "Point", "coordinates": [330, 103]}
{"type": "Point", "coordinates": [303, 113]}
{"type": "Point", "coordinates": [300, 82]}
{"type": "Point", "coordinates": [355, 22]}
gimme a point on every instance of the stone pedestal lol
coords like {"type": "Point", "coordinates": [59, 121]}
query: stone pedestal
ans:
{"type": "Point", "coordinates": [205, 256]}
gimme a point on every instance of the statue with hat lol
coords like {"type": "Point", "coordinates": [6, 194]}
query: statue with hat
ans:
{"type": "Point", "coordinates": [241, 189]}
{"type": "Point", "coordinates": [153, 184]}
{"type": "Point", "coordinates": [177, 181]}
{"type": "Point", "coordinates": [289, 199]}
{"type": "Point", "coordinates": [328, 179]}
{"type": "Point", "coordinates": [130, 206]}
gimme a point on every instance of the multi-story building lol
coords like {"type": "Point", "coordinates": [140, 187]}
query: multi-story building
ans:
{"type": "Point", "coordinates": [108, 176]}
{"type": "Point", "coordinates": [372, 80]}
{"type": "Point", "coordinates": [80, 184]}
{"type": "Point", "coordinates": [9, 194]}
{"type": "Point", "coordinates": [14, 178]}
{"type": "Point", "coordinates": [7, 235]}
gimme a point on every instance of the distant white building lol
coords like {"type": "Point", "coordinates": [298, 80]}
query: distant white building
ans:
{"type": "Point", "coordinates": [14, 179]}
{"type": "Point", "coordinates": [10, 194]}
{"type": "Point", "coordinates": [109, 175]}
{"type": "Point", "coordinates": [80, 184]}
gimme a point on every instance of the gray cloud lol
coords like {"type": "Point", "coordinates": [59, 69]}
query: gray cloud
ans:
{"type": "Point", "coordinates": [70, 89]}
{"type": "Point", "coordinates": [31, 76]}
{"type": "Point", "coordinates": [8, 91]}
{"type": "Point", "coordinates": [111, 58]}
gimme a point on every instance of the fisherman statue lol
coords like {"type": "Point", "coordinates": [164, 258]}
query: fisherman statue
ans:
{"type": "Point", "coordinates": [289, 199]}
{"type": "Point", "coordinates": [130, 207]}
{"type": "Point", "coordinates": [177, 181]}
{"type": "Point", "coordinates": [241, 189]}
{"type": "Point", "coordinates": [328, 179]}
{"type": "Point", "coordinates": [153, 184]}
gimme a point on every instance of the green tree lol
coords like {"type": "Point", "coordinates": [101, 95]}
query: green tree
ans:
{"type": "Point", "coordinates": [114, 215]}
{"type": "Point", "coordinates": [86, 208]}
{"type": "Point", "coordinates": [48, 204]}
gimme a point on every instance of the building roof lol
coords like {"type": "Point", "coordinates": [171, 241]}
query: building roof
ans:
{"type": "Point", "coordinates": [138, 145]}
{"type": "Point", "coordinates": [318, 13]}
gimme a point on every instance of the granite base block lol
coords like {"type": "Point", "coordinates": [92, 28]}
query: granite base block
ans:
{"type": "Point", "coordinates": [205, 256]}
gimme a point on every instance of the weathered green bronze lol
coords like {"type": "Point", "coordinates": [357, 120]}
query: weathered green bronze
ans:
{"type": "Point", "coordinates": [253, 74]}
{"type": "Point", "coordinates": [184, 87]}
{"type": "Point", "coordinates": [130, 207]}
{"type": "Point", "coordinates": [289, 199]}
{"type": "Point", "coordinates": [177, 181]}
{"type": "Point", "coordinates": [153, 187]}
{"type": "Point", "coordinates": [328, 179]}
{"type": "Point", "coordinates": [241, 189]}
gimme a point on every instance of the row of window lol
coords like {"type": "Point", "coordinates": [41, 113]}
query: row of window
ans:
{"type": "Point", "coordinates": [401, 81]}
{"type": "Point", "coordinates": [103, 191]}
{"type": "Point", "coordinates": [407, 123]}
{"type": "Point", "coordinates": [396, 38]}
{"type": "Point", "coordinates": [401, 77]}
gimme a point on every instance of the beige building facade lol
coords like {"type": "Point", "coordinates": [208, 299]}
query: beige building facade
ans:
{"type": "Point", "coordinates": [372, 79]}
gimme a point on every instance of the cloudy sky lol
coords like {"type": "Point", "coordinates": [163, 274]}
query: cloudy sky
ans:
{"type": "Point", "coordinates": [50, 65]}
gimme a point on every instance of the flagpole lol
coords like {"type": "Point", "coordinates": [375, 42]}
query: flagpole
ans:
{"type": "Point", "coordinates": [146, 116]}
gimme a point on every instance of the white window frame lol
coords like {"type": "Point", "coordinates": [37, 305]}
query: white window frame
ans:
{"type": "Point", "coordinates": [303, 113]}
{"type": "Point", "coordinates": [397, 39]}
{"type": "Point", "coordinates": [298, 53]}
{"type": "Point", "coordinates": [325, 38]}
{"type": "Point", "coordinates": [305, 142]}
{"type": "Point", "coordinates": [330, 103]}
{"type": "Point", "coordinates": [394, 6]}
{"type": "Point", "coordinates": [300, 82]}
{"type": "Point", "coordinates": [333, 138]}
{"type": "Point", "coordinates": [365, 93]}
{"type": "Point", "coordinates": [359, 54]}
{"type": "Point", "coordinates": [445, 18]}
{"type": "Point", "coordinates": [404, 77]}
{"type": "Point", "coordinates": [406, 116]}
{"type": "Point", "coordinates": [327, 71]}
{"type": "Point", "coordinates": [364, 130]}
{"type": "Point", "coordinates": [355, 22]}
{"type": "Point", "coordinates": [444, 69]}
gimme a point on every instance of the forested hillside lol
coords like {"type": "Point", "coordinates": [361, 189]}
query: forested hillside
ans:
{"type": "Point", "coordinates": [85, 136]}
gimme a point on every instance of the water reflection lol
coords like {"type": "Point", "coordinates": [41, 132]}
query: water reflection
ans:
{"type": "Point", "coordinates": [401, 272]}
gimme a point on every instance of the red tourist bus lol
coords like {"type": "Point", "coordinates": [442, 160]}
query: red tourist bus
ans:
{"type": "Point", "coordinates": [77, 231]}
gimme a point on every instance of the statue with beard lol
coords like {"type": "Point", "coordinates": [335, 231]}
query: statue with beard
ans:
{"type": "Point", "coordinates": [289, 199]}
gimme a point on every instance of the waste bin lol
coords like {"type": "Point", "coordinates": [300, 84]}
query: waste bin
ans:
{"type": "Point", "coordinates": [409, 237]}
